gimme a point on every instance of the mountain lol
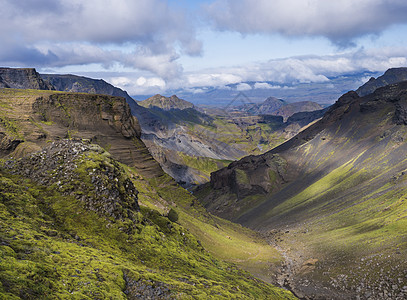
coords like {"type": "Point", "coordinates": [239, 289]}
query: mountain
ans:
{"type": "Point", "coordinates": [268, 107]}
{"type": "Point", "coordinates": [166, 103]}
{"type": "Point", "coordinates": [80, 84]}
{"type": "Point", "coordinates": [85, 212]}
{"type": "Point", "coordinates": [190, 144]}
{"type": "Point", "coordinates": [391, 76]}
{"type": "Point", "coordinates": [288, 110]}
{"type": "Point", "coordinates": [23, 78]}
{"type": "Point", "coordinates": [278, 107]}
{"type": "Point", "coordinates": [332, 199]}
{"type": "Point", "coordinates": [38, 117]}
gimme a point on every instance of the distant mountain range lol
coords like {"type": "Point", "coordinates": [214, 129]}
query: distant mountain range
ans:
{"type": "Point", "coordinates": [323, 93]}
{"type": "Point", "coordinates": [277, 107]}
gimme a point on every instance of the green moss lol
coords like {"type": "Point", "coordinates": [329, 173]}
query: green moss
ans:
{"type": "Point", "coordinates": [54, 247]}
{"type": "Point", "coordinates": [10, 127]}
{"type": "Point", "coordinates": [242, 177]}
{"type": "Point", "coordinates": [203, 165]}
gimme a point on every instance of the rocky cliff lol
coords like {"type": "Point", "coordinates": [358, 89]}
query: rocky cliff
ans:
{"type": "Point", "coordinates": [80, 84]}
{"type": "Point", "coordinates": [24, 78]}
{"type": "Point", "coordinates": [37, 117]}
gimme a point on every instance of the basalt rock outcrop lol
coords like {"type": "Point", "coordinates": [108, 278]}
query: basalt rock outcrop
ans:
{"type": "Point", "coordinates": [34, 118]}
{"type": "Point", "coordinates": [24, 78]}
{"type": "Point", "coordinates": [102, 185]}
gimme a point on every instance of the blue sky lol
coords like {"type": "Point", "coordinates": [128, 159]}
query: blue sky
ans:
{"type": "Point", "coordinates": [151, 46]}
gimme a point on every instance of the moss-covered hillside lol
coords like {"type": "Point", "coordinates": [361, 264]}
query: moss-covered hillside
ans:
{"type": "Point", "coordinates": [71, 228]}
{"type": "Point", "coordinates": [80, 222]}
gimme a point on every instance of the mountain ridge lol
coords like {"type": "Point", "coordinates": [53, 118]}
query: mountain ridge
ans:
{"type": "Point", "coordinates": [332, 195]}
{"type": "Point", "coordinates": [23, 78]}
{"type": "Point", "coordinates": [391, 76]}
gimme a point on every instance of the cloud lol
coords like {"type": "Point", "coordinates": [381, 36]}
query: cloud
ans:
{"type": "Point", "coordinates": [341, 21]}
{"type": "Point", "coordinates": [302, 69]}
{"type": "Point", "coordinates": [139, 85]}
{"type": "Point", "coordinates": [272, 74]}
{"type": "Point", "coordinates": [58, 33]}
{"type": "Point", "coordinates": [243, 87]}
{"type": "Point", "coordinates": [266, 86]}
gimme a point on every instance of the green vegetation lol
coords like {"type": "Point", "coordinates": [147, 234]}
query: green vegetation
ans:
{"type": "Point", "coordinates": [173, 215]}
{"type": "Point", "coordinates": [53, 246]}
{"type": "Point", "coordinates": [203, 165]}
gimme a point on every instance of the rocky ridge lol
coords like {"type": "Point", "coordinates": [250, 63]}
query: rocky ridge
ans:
{"type": "Point", "coordinates": [391, 76]}
{"type": "Point", "coordinates": [23, 78]}
{"type": "Point", "coordinates": [36, 117]}
{"type": "Point", "coordinates": [80, 84]}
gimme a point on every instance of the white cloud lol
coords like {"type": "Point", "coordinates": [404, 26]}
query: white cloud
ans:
{"type": "Point", "coordinates": [57, 33]}
{"type": "Point", "coordinates": [212, 79]}
{"type": "Point", "coordinates": [340, 20]}
{"type": "Point", "coordinates": [282, 73]}
{"type": "Point", "coordinates": [266, 86]}
{"type": "Point", "coordinates": [243, 87]}
{"type": "Point", "coordinates": [139, 85]}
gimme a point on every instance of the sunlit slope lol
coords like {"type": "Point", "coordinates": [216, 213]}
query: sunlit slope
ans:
{"type": "Point", "coordinates": [339, 197]}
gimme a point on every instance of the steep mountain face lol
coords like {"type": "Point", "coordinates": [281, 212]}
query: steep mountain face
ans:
{"type": "Point", "coordinates": [391, 76]}
{"type": "Point", "coordinates": [79, 221]}
{"type": "Point", "coordinates": [79, 84]}
{"type": "Point", "coordinates": [332, 198]}
{"type": "Point", "coordinates": [36, 117]}
{"type": "Point", "coordinates": [166, 103]}
{"type": "Point", "coordinates": [24, 78]}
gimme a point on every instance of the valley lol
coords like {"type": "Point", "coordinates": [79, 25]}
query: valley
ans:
{"type": "Point", "coordinates": [86, 211]}
{"type": "Point", "coordinates": [331, 198]}
{"type": "Point", "coordinates": [93, 204]}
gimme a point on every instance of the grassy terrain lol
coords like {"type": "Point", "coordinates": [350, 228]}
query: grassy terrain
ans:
{"type": "Point", "coordinates": [71, 228]}
{"type": "Point", "coordinates": [52, 246]}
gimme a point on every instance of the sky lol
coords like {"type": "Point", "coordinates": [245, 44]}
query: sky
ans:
{"type": "Point", "coordinates": [153, 46]}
